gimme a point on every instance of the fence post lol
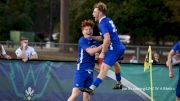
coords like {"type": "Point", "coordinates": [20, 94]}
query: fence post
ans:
{"type": "Point", "coordinates": [138, 53]}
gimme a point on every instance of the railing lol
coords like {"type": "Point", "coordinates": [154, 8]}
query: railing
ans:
{"type": "Point", "coordinates": [137, 50]}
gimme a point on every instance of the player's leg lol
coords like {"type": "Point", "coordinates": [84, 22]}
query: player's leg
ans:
{"type": "Point", "coordinates": [118, 85]}
{"type": "Point", "coordinates": [98, 80]}
{"type": "Point", "coordinates": [100, 77]}
{"type": "Point", "coordinates": [177, 98]}
{"type": "Point", "coordinates": [77, 83]}
{"type": "Point", "coordinates": [178, 91]}
{"type": "Point", "coordinates": [86, 96]}
{"type": "Point", "coordinates": [74, 94]}
{"type": "Point", "coordinates": [109, 60]}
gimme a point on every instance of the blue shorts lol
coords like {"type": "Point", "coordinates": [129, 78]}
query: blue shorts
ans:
{"type": "Point", "coordinates": [178, 89]}
{"type": "Point", "coordinates": [178, 85]}
{"type": "Point", "coordinates": [83, 79]}
{"type": "Point", "coordinates": [112, 56]}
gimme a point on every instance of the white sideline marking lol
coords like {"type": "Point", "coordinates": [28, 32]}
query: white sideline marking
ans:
{"type": "Point", "coordinates": [129, 85]}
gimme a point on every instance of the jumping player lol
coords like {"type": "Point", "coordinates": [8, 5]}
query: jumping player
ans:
{"type": "Point", "coordinates": [112, 48]}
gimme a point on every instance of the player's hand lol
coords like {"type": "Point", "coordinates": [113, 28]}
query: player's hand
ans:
{"type": "Point", "coordinates": [168, 63]}
{"type": "Point", "coordinates": [171, 73]}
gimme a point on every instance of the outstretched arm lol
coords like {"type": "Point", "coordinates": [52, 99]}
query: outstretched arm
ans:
{"type": "Point", "coordinates": [92, 51]}
{"type": "Point", "coordinates": [169, 58]}
{"type": "Point", "coordinates": [169, 64]}
{"type": "Point", "coordinates": [97, 38]}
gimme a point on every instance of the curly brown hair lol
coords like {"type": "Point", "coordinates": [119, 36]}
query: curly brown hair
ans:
{"type": "Point", "coordinates": [87, 23]}
{"type": "Point", "coordinates": [101, 7]}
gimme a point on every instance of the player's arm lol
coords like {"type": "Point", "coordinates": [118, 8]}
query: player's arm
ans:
{"type": "Point", "coordinates": [92, 51]}
{"type": "Point", "coordinates": [169, 64]}
{"type": "Point", "coordinates": [169, 58]}
{"type": "Point", "coordinates": [106, 43]}
{"type": "Point", "coordinates": [97, 38]}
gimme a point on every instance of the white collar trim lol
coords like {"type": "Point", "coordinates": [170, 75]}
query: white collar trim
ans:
{"type": "Point", "coordinates": [102, 18]}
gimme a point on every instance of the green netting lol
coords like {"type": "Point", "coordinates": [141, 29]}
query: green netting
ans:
{"type": "Point", "coordinates": [164, 87]}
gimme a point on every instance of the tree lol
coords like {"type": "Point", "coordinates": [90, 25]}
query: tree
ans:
{"type": "Point", "coordinates": [64, 19]}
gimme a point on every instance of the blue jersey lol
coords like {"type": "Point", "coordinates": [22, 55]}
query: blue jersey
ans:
{"type": "Point", "coordinates": [106, 25]}
{"type": "Point", "coordinates": [86, 61]}
{"type": "Point", "coordinates": [176, 47]}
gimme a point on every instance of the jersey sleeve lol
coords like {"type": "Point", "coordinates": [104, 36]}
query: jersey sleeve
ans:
{"type": "Point", "coordinates": [83, 44]}
{"type": "Point", "coordinates": [103, 27]}
{"type": "Point", "coordinates": [176, 47]}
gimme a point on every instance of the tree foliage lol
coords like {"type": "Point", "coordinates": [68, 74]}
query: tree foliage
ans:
{"type": "Point", "coordinates": [147, 20]}
{"type": "Point", "coordinates": [144, 20]}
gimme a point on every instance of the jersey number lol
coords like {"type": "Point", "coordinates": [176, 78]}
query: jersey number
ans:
{"type": "Point", "coordinates": [113, 26]}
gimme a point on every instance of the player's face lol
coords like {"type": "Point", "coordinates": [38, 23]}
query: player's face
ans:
{"type": "Point", "coordinates": [96, 13]}
{"type": "Point", "coordinates": [87, 31]}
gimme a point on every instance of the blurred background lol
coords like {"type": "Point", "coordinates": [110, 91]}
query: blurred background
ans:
{"type": "Point", "coordinates": [53, 26]}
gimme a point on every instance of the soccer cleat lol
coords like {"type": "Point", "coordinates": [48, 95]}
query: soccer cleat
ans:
{"type": "Point", "coordinates": [118, 86]}
{"type": "Point", "coordinates": [87, 90]}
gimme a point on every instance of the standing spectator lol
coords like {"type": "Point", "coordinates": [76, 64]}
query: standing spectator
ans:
{"type": "Point", "coordinates": [25, 52]}
{"type": "Point", "coordinates": [156, 58]}
{"type": "Point", "coordinates": [133, 59]}
{"type": "Point", "coordinates": [3, 53]}
{"type": "Point", "coordinates": [175, 48]}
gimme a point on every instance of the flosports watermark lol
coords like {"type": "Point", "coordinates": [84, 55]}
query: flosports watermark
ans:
{"type": "Point", "coordinates": [149, 88]}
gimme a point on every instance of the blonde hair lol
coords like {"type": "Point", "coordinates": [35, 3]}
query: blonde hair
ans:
{"type": "Point", "coordinates": [101, 7]}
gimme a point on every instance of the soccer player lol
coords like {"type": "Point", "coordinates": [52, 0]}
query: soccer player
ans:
{"type": "Point", "coordinates": [175, 48]}
{"type": "Point", "coordinates": [87, 48]}
{"type": "Point", "coordinates": [112, 48]}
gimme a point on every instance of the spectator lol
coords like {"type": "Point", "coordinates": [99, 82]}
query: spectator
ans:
{"type": "Point", "coordinates": [156, 58]}
{"type": "Point", "coordinates": [176, 58]}
{"type": "Point", "coordinates": [25, 52]}
{"type": "Point", "coordinates": [3, 53]}
{"type": "Point", "coordinates": [133, 59]}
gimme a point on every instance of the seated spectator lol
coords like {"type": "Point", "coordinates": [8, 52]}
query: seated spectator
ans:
{"type": "Point", "coordinates": [3, 53]}
{"type": "Point", "coordinates": [25, 52]}
{"type": "Point", "coordinates": [133, 59]}
{"type": "Point", "coordinates": [176, 59]}
{"type": "Point", "coordinates": [156, 58]}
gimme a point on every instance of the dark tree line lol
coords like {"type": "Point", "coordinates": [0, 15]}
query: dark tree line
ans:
{"type": "Point", "coordinates": [144, 20]}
